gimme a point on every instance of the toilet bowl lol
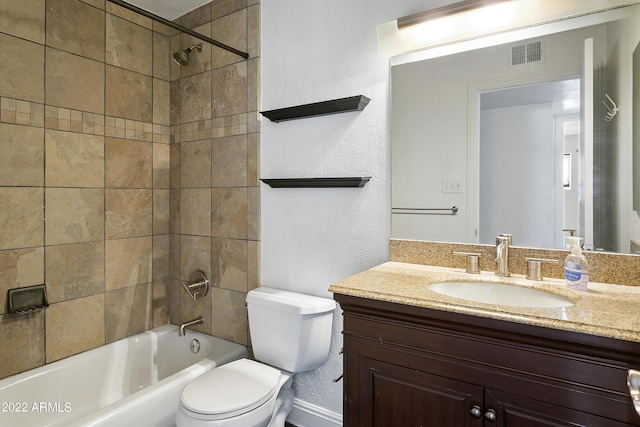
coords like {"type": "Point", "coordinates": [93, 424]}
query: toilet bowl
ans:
{"type": "Point", "coordinates": [289, 331]}
{"type": "Point", "coordinates": [241, 393]}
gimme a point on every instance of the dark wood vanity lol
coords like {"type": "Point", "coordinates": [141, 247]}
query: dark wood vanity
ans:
{"type": "Point", "coordinates": [410, 366]}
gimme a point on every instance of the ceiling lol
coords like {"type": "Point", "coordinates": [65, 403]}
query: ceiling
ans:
{"type": "Point", "coordinates": [168, 9]}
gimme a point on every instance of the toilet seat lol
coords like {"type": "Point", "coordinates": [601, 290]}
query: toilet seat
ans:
{"type": "Point", "coordinates": [230, 390]}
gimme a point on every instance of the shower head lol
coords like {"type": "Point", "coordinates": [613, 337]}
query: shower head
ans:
{"type": "Point", "coordinates": [182, 56]}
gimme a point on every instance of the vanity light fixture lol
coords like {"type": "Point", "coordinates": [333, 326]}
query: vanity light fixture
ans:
{"type": "Point", "coordinates": [441, 12]}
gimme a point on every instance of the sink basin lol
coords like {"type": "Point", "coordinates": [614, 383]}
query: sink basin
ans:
{"type": "Point", "coordinates": [500, 294]}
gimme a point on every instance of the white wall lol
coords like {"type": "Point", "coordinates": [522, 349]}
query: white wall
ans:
{"type": "Point", "coordinates": [314, 51]}
{"type": "Point", "coordinates": [623, 39]}
{"type": "Point", "coordinates": [516, 144]}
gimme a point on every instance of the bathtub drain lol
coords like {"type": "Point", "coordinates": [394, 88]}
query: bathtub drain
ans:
{"type": "Point", "coordinates": [195, 346]}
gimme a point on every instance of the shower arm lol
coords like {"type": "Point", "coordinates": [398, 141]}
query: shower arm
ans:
{"type": "Point", "coordinates": [178, 27]}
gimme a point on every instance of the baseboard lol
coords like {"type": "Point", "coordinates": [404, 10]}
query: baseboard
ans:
{"type": "Point", "coordinates": [305, 414]}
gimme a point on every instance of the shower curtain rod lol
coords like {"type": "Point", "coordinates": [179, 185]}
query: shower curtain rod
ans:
{"type": "Point", "coordinates": [178, 27]}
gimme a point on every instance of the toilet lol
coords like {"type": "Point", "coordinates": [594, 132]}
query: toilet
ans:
{"type": "Point", "coordinates": [290, 333]}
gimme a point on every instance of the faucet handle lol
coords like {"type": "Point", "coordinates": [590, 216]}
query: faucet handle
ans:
{"type": "Point", "coordinates": [198, 285]}
{"type": "Point", "coordinates": [534, 267]}
{"type": "Point", "coordinates": [472, 261]}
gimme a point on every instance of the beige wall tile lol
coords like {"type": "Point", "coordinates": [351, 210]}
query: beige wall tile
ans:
{"type": "Point", "coordinates": [253, 265]}
{"type": "Point", "coordinates": [253, 85]}
{"type": "Point", "coordinates": [229, 270]}
{"type": "Point", "coordinates": [160, 303]}
{"type": "Point", "coordinates": [82, 277]}
{"type": "Point", "coordinates": [229, 213]}
{"type": "Point", "coordinates": [254, 44]}
{"type": "Point", "coordinates": [74, 82]}
{"type": "Point", "coordinates": [174, 293]}
{"type": "Point", "coordinates": [22, 69]}
{"type": "Point", "coordinates": [174, 210]}
{"type": "Point", "coordinates": [21, 217]}
{"type": "Point", "coordinates": [128, 213]}
{"type": "Point", "coordinates": [161, 102]}
{"type": "Point", "coordinates": [229, 85]}
{"type": "Point", "coordinates": [195, 215]}
{"type": "Point", "coordinates": [175, 88]}
{"type": "Point", "coordinates": [229, 161]}
{"type": "Point", "coordinates": [24, 19]}
{"type": "Point", "coordinates": [129, 95]}
{"type": "Point", "coordinates": [129, 15]}
{"type": "Point", "coordinates": [76, 27]}
{"type": "Point", "coordinates": [74, 215]}
{"type": "Point", "coordinates": [100, 4]}
{"type": "Point", "coordinates": [161, 210]}
{"type": "Point", "coordinates": [231, 30]}
{"type": "Point", "coordinates": [74, 326]}
{"type": "Point", "coordinates": [195, 98]}
{"type": "Point", "coordinates": [129, 164]}
{"type": "Point", "coordinates": [21, 155]}
{"type": "Point", "coordinates": [161, 166]}
{"type": "Point", "coordinates": [129, 45]}
{"type": "Point", "coordinates": [195, 254]}
{"type": "Point", "coordinates": [253, 159]}
{"type": "Point", "coordinates": [22, 339]}
{"type": "Point", "coordinates": [128, 311]}
{"type": "Point", "coordinates": [174, 165]}
{"type": "Point", "coordinates": [74, 159]}
{"type": "Point", "coordinates": [19, 268]}
{"type": "Point", "coordinates": [195, 164]}
{"type": "Point", "coordinates": [128, 262]}
{"type": "Point", "coordinates": [161, 56]}
{"type": "Point", "coordinates": [226, 7]}
{"type": "Point", "coordinates": [230, 315]}
{"type": "Point", "coordinates": [197, 16]}
{"type": "Point", "coordinates": [253, 213]}
{"type": "Point", "coordinates": [174, 257]}
{"type": "Point", "coordinates": [161, 252]}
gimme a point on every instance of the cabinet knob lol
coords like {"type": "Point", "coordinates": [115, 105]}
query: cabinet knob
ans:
{"type": "Point", "coordinates": [490, 415]}
{"type": "Point", "coordinates": [476, 412]}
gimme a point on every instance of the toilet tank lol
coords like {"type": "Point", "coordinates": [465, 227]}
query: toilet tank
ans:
{"type": "Point", "coordinates": [290, 331]}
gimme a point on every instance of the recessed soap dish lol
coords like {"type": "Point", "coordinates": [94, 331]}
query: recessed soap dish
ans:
{"type": "Point", "coordinates": [27, 300]}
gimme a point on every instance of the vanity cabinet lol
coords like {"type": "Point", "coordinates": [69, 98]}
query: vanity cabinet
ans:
{"type": "Point", "coordinates": [412, 366]}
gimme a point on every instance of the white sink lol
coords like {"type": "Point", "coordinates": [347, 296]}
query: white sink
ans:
{"type": "Point", "coordinates": [500, 294]}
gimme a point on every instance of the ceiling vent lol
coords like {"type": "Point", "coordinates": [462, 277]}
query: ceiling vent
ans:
{"type": "Point", "coordinates": [526, 53]}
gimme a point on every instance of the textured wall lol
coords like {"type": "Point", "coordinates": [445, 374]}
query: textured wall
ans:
{"type": "Point", "coordinates": [315, 51]}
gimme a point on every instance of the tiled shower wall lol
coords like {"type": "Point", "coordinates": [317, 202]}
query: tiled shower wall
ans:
{"type": "Point", "coordinates": [215, 137]}
{"type": "Point", "coordinates": [90, 105]}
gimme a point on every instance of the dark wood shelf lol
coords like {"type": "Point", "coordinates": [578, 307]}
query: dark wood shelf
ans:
{"type": "Point", "coordinates": [352, 181]}
{"type": "Point", "coordinates": [334, 106]}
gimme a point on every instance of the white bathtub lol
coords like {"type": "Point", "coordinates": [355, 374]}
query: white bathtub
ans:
{"type": "Point", "coordinates": [135, 381]}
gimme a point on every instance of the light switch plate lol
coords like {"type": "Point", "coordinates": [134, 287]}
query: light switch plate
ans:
{"type": "Point", "coordinates": [451, 186]}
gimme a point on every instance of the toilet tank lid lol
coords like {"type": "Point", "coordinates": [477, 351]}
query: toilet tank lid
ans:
{"type": "Point", "coordinates": [291, 302]}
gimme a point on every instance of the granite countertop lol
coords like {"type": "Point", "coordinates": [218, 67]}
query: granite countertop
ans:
{"type": "Point", "coordinates": [604, 309]}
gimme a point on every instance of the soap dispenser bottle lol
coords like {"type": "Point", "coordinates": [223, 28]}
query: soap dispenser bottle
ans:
{"type": "Point", "coordinates": [576, 268]}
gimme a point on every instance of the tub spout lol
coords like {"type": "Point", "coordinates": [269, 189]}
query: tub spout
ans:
{"type": "Point", "coordinates": [185, 325]}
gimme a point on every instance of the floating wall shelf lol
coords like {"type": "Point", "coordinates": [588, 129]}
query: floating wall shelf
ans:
{"type": "Point", "coordinates": [351, 181]}
{"type": "Point", "coordinates": [335, 106]}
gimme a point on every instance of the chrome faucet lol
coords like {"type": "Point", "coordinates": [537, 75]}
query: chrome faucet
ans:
{"type": "Point", "coordinates": [503, 242]}
{"type": "Point", "coordinates": [185, 325]}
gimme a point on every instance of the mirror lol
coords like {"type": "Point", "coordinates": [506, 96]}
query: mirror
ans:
{"type": "Point", "coordinates": [523, 137]}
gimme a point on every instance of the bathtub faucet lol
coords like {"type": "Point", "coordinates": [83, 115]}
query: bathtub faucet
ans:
{"type": "Point", "coordinates": [185, 325]}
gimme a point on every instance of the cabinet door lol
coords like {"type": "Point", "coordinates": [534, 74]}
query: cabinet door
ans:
{"type": "Point", "coordinates": [393, 395]}
{"type": "Point", "coordinates": [516, 411]}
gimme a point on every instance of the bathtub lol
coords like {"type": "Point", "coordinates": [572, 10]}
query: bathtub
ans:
{"type": "Point", "coordinates": [135, 381]}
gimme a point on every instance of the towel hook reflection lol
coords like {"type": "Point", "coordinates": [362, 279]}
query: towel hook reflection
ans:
{"type": "Point", "coordinates": [612, 109]}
